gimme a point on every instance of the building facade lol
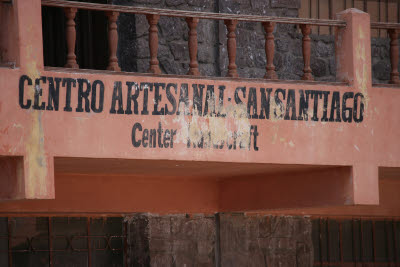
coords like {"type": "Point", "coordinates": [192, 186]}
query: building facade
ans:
{"type": "Point", "coordinates": [199, 133]}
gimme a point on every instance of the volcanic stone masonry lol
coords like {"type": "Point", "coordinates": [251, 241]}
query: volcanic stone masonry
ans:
{"type": "Point", "coordinates": [225, 239]}
{"type": "Point", "coordinates": [173, 52]}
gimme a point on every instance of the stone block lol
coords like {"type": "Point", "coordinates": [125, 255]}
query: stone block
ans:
{"type": "Point", "coordinates": [285, 4]}
{"type": "Point", "coordinates": [174, 3]}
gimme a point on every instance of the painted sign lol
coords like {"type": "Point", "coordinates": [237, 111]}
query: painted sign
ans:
{"type": "Point", "coordinates": [208, 105]}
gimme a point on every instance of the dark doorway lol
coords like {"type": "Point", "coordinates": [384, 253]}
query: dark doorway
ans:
{"type": "Point", "coordinates": [91, 37]}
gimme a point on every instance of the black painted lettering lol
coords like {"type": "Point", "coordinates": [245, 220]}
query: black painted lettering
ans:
{"type": "Point", "coordinates": [171, 98]}
{"type": "Point", "coordinates": [325, 107]}
{"type": "Point", "coordinates": [152, 138]}
{"type": "Point", "coordinates": [145, 137]}
{"type": "Point", "coordinates": [265, 103]}
{"type": "Point", "coordinates": [159, 132]}
{"type": "Point", "coordinates": [157, 99]}
{"type": "Point", "coordinates": [198, 98]}
{"type": "Point", "coordinates": [316, 95]}
{"type": "Point", "coordinates": [183, 98]}
{"type": "Point", "coordinates": [347, 112]}
{"type": "Point", "coordinates": [130, 98]}
{"type": "Point", "coordinates": [100, 84]}
{"type": "Point", "coordinates": [136, 127]}
{"type": "Point", "coordinates": [173, 133]}
{"type": "Point", "coordinates": [83, 94]}
{"type": "Point", "coordinates": [303, 105]}
{"type": "Point", "coordinates": [145, 87]}
{"type": "Point", "coordinates": [54, 93]}
{"type": "Point", "coordinates": [291, 105]}
{"type": "Point", "coordinates": [68, 83]}
{"type": "Point", "coordinates": [255, 134]}
{"type": "Point", "coordinates": [221, 90]}
{"type": "Point", "coordinates": [358, 118]}
{"type": "Point", "coordinates": [209, 106]}
{"type": "Point", "coordinates": [21, 87]}
{"type": "Point", "coordinates": [335, 106]}
{"type": "Point", "coordinates": [237, 98]}
{"type": "Point", "coordinates": [117, 97]}
{"type": "Point", "coordinates": [166, 138]}
{"type": "Point", "coordinates": [38, 94]}
{"type": "Point", "coordinates": [252, 104]}
{"type": "Point", "coordinates": [279, 103]}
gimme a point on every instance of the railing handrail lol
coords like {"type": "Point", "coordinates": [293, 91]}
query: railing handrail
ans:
{"type": "Point", "coordinates": [193, 14]}
{"type": "Point", "coordinates": [385, 25]}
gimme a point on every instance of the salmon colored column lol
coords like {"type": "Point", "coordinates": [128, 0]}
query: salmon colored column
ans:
{"type": "Point", "coordinates": [353, 65]}
{"type": "Point", "coordinates": [37, 179]}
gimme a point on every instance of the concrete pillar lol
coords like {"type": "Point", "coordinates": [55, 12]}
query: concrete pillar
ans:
{"type": "Point", "coordinates": [353, 65]}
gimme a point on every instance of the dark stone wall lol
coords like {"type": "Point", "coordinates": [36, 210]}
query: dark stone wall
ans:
{"type": "Point", "coordinates": [133, 52]}
{"type": "Point", "coordinates": [222, 240]}
{"type": "Point", "coordinates": [171, 240]}
{"type": "Point", "coordinates": [265, 241]}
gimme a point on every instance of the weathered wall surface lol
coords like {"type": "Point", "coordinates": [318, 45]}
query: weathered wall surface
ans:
{"type": "Point", "coordinates": [221, 240]}
{"type": "Point", "coordinates": [265, 241]}
{"type": "Point", "coordinates": [173, 52]}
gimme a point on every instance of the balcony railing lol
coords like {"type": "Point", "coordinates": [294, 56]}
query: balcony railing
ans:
{"type": "Point", "coordinates": [393, 30]}
{"type": "Point", "coordinates": [192, 19]}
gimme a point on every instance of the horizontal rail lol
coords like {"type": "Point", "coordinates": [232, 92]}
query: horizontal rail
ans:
{"type": "Point", "coordinates": [385, 25]}
{"type": "Point", "coordinates": [193, 14]}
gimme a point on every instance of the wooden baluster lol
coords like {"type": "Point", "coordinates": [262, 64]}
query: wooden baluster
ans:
{"type": "Point", "coordinates": [270, 50]}
{"type": "Point", "coordinates": [306, 30]}
{"type": "Point", "coordinates": [394, 56]}
{"type": "Point", "coordinates": [232, 68]}
{"type": "Point", "coordinates": [71, 38]}
{"type": "Point", "coordinates": [153, 43]}
{"type": "Point", "coordinates": [194, 65]}
{"type": "Point", "coordinates": [112, 41]}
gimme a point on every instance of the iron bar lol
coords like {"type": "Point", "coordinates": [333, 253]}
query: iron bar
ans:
{"type": "Point", "coordinates": [328, 255]}
{"type": "Point", "coordinates": [395, 240]}
{"type": "Point", "coordinates": [361, 242]}
{"type": "Point", "coordinates": [88, 243]}
{"type": "Point", "coordinates": [50, 243]}
{"type": "Point", "coordinates": [194, 14]}
{"type": "Point", "coordinates": [373, 240]}
{"type": "Point", "coordinates": [320, 240]}
{"type": "Point", "coordinates": [341, 241]}
{"type": "Point", "coordinates": [9, 242]}
{"type": "Point", "coordinates": [385, 25]}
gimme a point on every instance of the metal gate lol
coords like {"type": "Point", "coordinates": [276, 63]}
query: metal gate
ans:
{"type": "Point", "coordinates": [356, 242]}
{"type": "Point", "coordinates": [62, 241]}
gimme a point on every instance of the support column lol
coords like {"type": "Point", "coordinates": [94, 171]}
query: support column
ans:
{"type": "Point", "coordinates": [70, 13]}
{"type": "Point", "coordinates": [270, 50]}
{"type": "Point", "coordinates": [153, 43]}
{"type": "Point", "coordinates": [353, 49]}
{"type": "Point", "coordinates": [394, 56]}
{"type": "Point", "coordinates": [353, 65]}
{"type": "Point", "coordinates": [194, 65]}
{"type": "Point", "coordinates": [306, 30]}
{"type": "Point", "coordinates": [232, 68]}
{"type": "Point", "coordinates": [113, 41]}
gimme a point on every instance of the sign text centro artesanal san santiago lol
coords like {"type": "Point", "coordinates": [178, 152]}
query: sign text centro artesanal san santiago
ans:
{"type": "Point", "coordinates": [206, 105]}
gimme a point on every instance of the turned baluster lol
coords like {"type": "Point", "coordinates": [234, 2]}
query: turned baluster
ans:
{"type": "Point", "coordinates": [232, 68]}
{"type": "Point", "coordinates": [394, 56]}
{"type": "Point", "coordinates": [153, 43]}
{"type": "Point", "coordinates": [112, 41]}
{"type": "Point", "coordinates": [306, 30]}
{"type": "Point", "coordinates": [194, 65]}
{"type": "Point", "coordinates": [71, 38]}
{"type": "Point", "coordinates": [270, 50]}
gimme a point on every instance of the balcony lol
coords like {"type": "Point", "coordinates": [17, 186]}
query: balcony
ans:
{"type": "Point", "coordinates": [108, 140]}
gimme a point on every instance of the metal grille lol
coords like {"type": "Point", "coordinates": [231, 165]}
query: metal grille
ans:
{"type": "Point", "coordinates": [62, 241]}
{"type": "Point", "coordinates": [356, 242]}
